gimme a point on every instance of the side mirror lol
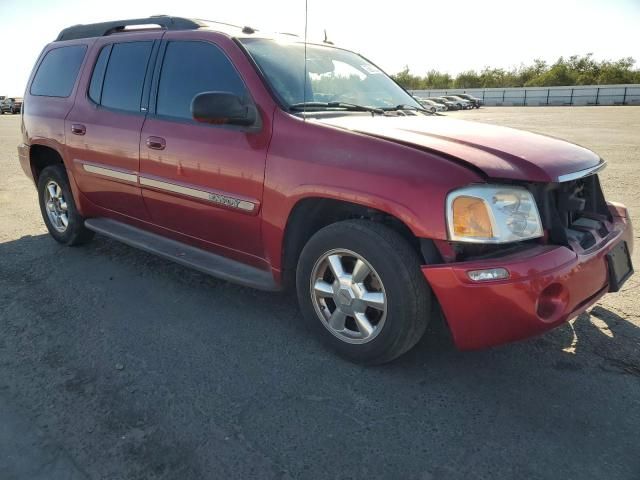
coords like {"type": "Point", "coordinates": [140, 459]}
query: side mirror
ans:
{"type": "Point", "coordinates": [222, 108]}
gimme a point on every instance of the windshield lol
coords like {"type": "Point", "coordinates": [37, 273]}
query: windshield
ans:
{"type": "Point", "coordinates": [333, 75]}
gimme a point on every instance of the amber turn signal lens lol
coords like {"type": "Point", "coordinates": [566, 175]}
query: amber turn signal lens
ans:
{"type": "Point", "coordinates": [471, 218]}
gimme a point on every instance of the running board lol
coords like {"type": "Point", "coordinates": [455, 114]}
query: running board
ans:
{"type": "Point", "coordinates": [196, 258]}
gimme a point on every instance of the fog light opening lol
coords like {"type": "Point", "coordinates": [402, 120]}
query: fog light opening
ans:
{"type": "Point", "coordinates": [552, 302]}
{"type": "Point", "coordinates": [488, 274]}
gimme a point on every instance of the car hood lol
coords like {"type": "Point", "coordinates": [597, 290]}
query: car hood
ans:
{"type": "Point", "coordinates": [499, 152]}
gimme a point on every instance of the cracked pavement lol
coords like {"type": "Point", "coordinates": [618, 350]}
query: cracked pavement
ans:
{"type": "Point", "coordinates": [116, 364]}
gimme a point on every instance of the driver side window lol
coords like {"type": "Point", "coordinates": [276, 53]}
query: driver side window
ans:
{"type": "Point", "coordinates": [190, 68]}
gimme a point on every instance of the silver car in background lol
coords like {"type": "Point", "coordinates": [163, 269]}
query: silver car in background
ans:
{"type": "Point", "coordinates": [461, 102]}
{"type": "Point", "coordinates": [430, 105]}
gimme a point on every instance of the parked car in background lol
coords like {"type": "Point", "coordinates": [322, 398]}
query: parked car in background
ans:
{"type": "Point", "coordinates": [477, 102]}
{"type": "Point", "coordinates": [430, 105]}
{"type": "Point", "coordinates": [208, 145]}
{"type": "Point", "coordinates": [449, 105]}
{"type": "Point", "coordinates": [461, 102]}
{"type": "Point", "coordinates": [11, 105]}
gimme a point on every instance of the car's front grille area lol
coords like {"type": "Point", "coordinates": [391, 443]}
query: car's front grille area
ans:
{"type": "Point", "coordinates": [574, 213]}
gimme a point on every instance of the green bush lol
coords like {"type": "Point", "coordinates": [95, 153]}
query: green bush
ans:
{"type": "Point", "coordinates": [576, 70]}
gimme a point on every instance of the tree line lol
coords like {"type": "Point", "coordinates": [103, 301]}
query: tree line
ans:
{"type": "Point", "coordinates": [575, 70]}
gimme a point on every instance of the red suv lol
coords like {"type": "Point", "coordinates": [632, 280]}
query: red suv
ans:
{"type": "Point", "coordinates": [222, 149]}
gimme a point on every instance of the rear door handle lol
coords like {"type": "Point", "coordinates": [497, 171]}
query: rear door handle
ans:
{"type": "Point", "coordinates": [156, 143]}
{"type": "Point", "coordinates": [78, 129]}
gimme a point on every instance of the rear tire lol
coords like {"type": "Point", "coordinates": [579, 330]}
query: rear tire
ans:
{"type": "Point", "coordinates": [382, 331]}
{"type": "Point", "coordinates": [59, 212]}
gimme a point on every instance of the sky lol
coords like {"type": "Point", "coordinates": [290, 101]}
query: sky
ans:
{"type": "Point", "coordinates": [450, 36]}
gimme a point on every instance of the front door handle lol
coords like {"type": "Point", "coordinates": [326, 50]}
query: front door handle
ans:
{"type": "Point", "coordinates": [78, 129]}
{"type": "Point", "coordinates": [156, 143]}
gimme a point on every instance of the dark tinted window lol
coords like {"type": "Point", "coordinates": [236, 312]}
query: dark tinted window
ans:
{"type": "Point", "coordinates": [95, 88]}
{"type": "Point", "coordinates": [58, 71]}
{"type": "Point", "coordinates": [190, 68]}
{"type": "Point", "coordinates": [124, 78]}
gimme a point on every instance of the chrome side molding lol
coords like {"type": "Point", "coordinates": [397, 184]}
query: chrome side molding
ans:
{"type": "Point", "coordinates": [213, 197]}
{"type": "Point", "coordinates": [220, 198]}
{"type": "Point", "coordinates": [110, 172]}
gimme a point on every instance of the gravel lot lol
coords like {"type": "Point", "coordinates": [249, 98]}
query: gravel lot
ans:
{"type": "Point", "coordinates": [115, 364]}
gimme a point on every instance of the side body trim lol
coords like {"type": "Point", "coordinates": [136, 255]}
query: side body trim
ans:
{"type": "Point", "coordinates": [219, 198]}
{"type": "Point", "coordinates": [110, 172]}
{"type": "Point", "coordinates": [211, 196]}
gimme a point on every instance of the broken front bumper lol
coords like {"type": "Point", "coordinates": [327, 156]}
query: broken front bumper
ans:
{"type": "Point", "coordinates": [547, 286]}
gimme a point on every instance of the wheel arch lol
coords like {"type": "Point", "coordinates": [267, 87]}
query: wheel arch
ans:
{"type": "Point", "coordinates": [313, 212]}
{"type": "Point", "coordinates": [45, 154]}
{"type": "Point", "coordinates": [42, 156]}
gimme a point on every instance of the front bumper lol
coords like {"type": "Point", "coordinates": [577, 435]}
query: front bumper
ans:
{"type": "Point", "coordinates": [548, 285]}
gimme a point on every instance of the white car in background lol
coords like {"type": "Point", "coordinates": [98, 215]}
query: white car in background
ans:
{"type": "Point", "coordinates": [430, 105]}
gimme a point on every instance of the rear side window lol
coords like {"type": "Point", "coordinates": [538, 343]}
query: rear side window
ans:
{"type": "Point", "coordinates": [190, 68]}
{"type": "Point", "coordinates": [124, 76]}
{"type": "Point", "coordinates": [95, 87]}
{"type": "Point", "coordinates": [58, 71]}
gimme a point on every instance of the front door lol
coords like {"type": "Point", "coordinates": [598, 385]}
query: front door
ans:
{"type": "Point", "coordinates": [201, 180]}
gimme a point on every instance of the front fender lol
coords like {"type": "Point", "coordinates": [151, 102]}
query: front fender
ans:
{"type": "Point", "coordinates": [311, 159]}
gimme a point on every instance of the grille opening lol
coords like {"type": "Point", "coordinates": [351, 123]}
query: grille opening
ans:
{"type": "Point", "coordinates": [574, 213]}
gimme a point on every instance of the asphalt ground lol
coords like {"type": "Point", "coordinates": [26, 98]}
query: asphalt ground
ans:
{"type": "Point", "coordinates": [115, 364]}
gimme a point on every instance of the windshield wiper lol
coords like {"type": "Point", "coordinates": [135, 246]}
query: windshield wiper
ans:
{"type": "Point", "coordinates": [407, 107]}
{"type": "Point", "coordinates": [350, 107]}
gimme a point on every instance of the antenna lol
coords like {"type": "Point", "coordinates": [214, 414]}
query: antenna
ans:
{"type": "Point", "coordinates": [304, 87]}
{"type": "Point", "coordinates": [326, 40]}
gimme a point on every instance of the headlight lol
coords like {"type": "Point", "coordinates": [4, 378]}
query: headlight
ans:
{"type": "Point", "coordinates": [492, 214]}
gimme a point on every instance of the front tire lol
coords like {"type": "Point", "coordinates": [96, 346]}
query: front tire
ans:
{"type": "Point", "coordinates": [59, 212]}
{"type": "Point", "coordinates": [360, 288]}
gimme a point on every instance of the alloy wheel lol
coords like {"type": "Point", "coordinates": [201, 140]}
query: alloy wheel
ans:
{"type": "Point", "coordinates": [348, 296]}
{"type": "Point", "coordinates": [56, 206]}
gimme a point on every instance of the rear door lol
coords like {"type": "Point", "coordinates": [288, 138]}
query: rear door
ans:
{"type": "Point", "coordinates": [201, 180]}
{"type": "Point", "coordinates": [103, 129]}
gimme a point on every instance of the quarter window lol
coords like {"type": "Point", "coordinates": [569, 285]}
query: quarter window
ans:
{"type": "Point", "coordinates": [95, 87]}
{"type": "Point", "coordinates": [190, 68]}
{"type": "Point", "coordinates": [124, 76]}
{"type": "Point", "coordinates": [58, 71]}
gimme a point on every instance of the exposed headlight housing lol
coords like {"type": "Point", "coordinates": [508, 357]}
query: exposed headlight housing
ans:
{"type": "Point", "coordinates": [492, 214]}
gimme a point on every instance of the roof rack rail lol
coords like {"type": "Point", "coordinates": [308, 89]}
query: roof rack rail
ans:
{"type": "Point", "coordinates": [106, 28]}
{"type": "Point", "coordinates": [247, 30]}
